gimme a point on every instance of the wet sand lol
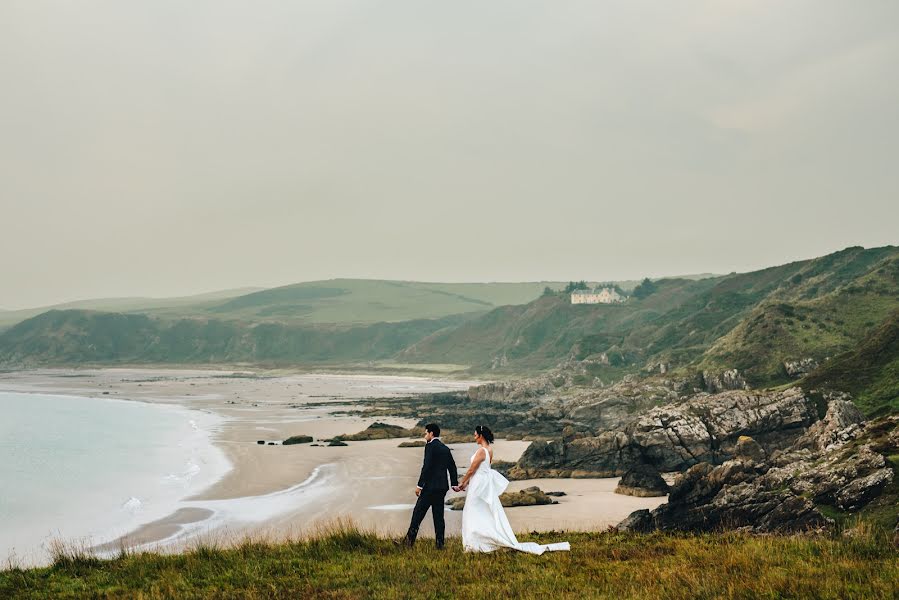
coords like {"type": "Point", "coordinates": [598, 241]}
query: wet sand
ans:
{"type": "Point", "coordinates": [286, 491]}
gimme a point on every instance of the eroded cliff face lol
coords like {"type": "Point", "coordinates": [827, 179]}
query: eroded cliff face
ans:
{"type": "Point", "coordinates": [675, 436]}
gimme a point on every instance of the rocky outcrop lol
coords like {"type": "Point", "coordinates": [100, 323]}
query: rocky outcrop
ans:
{"type": "Point", "coordinates": [413, 444]}
{"type": "Point", "coordinates": [531, 496]}
{"type": "Point", "coordinates": [840, 424]}
{"type": "Point", "coordinates": [607, 455]}
{"type": "Point", "coordinates": [504, 391]}
{"type": "Point", "coordinates": [706, 498]}
{"type": "Point", "coordinates": [381, 431]}
{"type": "Point", "coordinates": [642, 480]}
{"type": "Point", "coordinates": [798, 368]}
{"type": "Point", "coordinates": [297, 439]}
{"type": "Point", "coordinates": [726, 380]}
{"type": "Point", "coordinates": [782, 492]}
{"type": "Point", "coordinates": [675, 436]}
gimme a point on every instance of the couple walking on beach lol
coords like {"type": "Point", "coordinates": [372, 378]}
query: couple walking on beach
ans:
{"type": "Point", "coordinates": [485, 527]}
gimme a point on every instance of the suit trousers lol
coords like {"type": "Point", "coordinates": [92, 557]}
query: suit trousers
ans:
{"type": "Point", "coordinates": [433, 500]}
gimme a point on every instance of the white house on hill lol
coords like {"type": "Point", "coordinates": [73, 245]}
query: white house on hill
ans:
{"type": "Point", "coordinates": [605, 295]}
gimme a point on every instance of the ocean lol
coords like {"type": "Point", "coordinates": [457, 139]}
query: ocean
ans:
{"type": "Point", "coordinates": [87, 470]}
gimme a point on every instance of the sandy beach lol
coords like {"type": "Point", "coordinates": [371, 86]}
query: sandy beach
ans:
{"type": "Point", "coordinates": [282, 491]}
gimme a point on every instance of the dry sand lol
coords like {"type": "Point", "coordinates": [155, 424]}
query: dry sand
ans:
{"type": "Point", "coordinates": [283, 491]}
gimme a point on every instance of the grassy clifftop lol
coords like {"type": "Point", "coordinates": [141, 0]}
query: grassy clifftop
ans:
{"type": "Point", "coordinates": [351, 564]}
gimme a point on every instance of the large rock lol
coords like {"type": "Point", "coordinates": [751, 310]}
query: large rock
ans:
{"type": "Point", "coordinates": [297, 439]}
{"type": "Point", "coordinates": [841, 423]}
{"type": "Point", "coordinates": [531, 496]}
{"type": "Point", "coordinates": [607, 455]}
{"type": "Point", "coordinates": [726, 380]}
{"type": "Point", "coordinates": [642, 480]}
{"type": "Point", "coordinates": [798, 368]}
{"type": "Point", "coordinates": [381, 431]}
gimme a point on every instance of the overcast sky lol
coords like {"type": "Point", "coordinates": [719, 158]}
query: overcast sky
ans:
{"type": "Point", "coordinates": [166, 147]}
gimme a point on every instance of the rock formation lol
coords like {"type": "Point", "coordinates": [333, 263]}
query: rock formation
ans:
{"type": "Point", "coordinates": [783, 492]}
{"type": "Point", "coordinates": [676, 436]}
{"type": "Point", "coordinates": [297, 439]}
{"type": "Point", "coordinates": [531, 496]}
{"type": "Point", "coordinates": [642, 480]}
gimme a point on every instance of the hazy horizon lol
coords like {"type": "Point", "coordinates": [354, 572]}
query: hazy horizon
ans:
{"type": "Point", "coordinates": [161, 149]}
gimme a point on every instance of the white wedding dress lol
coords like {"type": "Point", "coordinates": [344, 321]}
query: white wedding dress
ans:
{"type": "Point", "coordinates": [485, 527]}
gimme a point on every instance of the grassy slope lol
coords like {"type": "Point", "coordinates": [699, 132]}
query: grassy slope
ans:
{"type": "Point", "coordinates": [823, 308]}
{"type": "Point", "coordinates": [541, 333]}
{"type": "Point", "coordinates": [66, 337]}
{"type": "Point", "coordinates": [870, 371]}
{"type": "Point", "coordinates": [350, 564]}
{"type": "Point", "coordinates": [367, 301]}
{"type": "Point", "coordinates": [138, 304]}
{"type": "Point", "coordinates": [752, 321]}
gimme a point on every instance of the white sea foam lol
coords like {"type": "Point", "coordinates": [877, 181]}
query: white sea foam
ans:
{"type": "Point", "coordinates": [254, 509]}
{"type": "Point", "coordinates": [133, 504]}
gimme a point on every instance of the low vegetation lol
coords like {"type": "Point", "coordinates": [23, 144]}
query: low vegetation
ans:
{"type": "Point", "coordinates": [348, 563]}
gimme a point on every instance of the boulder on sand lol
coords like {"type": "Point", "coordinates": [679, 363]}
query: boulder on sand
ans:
{"type": "Point", "coordinates": [381, 431]}
{"type": "Point", "coordinates": [297, 439]}
{"type": "Point", "coordinates": [642, 480]}
{"type": "Point", "coordinates": [412, 444]}
{"type": "Point", "coordinates": [531, 496]}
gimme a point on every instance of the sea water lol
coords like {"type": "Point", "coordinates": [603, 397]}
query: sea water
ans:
{"type": "Point", "coordinates": [88, 470]}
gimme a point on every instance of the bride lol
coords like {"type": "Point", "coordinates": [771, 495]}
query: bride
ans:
{"type": "Point", "coordinates": [485, 527]}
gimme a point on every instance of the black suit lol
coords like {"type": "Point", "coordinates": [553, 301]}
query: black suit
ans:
{"type": "Point", "coordinates": [433, 483]}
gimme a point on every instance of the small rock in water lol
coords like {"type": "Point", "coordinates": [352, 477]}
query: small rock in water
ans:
{"type": "Point", "coordinates": [261, 442]}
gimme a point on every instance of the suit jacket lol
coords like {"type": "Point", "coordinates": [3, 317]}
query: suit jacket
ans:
{"type": "Point", "coordinates": [438, 463]}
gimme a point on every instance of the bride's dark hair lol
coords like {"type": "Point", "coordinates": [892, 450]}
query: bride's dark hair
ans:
{"type": "Point", "coordinates": [484, 431]}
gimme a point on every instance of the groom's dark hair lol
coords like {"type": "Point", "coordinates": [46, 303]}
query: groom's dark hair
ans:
{"type": "Point", "coordinates": [433, 428]}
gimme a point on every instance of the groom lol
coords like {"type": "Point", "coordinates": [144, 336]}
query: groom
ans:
{"type": "Point", "coordinates": [432, 485]}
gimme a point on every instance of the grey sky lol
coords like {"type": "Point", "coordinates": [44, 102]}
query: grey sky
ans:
{"type": "Point", "coordinates": [169, 147]}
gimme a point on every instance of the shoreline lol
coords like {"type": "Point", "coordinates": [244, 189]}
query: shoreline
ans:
{"type": "Point", "coordinates": [263, 493]}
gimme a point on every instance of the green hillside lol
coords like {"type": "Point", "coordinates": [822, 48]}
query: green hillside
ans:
{"type": "Point", "coordinates": [136, 304]}
{"type": "Point", "coordinates": [77, 336]}
{"type": "Point", "coordinates": [870, 371]}
{"type": "Point", "coordinates": [369, 301]}
{"type": "Point", "coordinates": [753, 321]}
{"type": "Point", "coordinates": [543, 332]}
{"type": "Point", "coordinates": [823, 308]}
{"type": "Point", "coordinates": [811, 309]}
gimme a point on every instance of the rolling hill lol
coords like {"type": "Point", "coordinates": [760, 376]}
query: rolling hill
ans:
{"type": "Point", "coordinates": [89, 337]}
{"type": "Point", "coordinates": [808, 310]}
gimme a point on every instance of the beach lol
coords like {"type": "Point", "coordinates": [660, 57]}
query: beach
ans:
{"type": "Point", "coordinates": [276, 491]}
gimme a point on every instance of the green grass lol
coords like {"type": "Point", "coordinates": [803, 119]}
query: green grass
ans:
{"type": "Point", "coordinates": [348, 563]}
